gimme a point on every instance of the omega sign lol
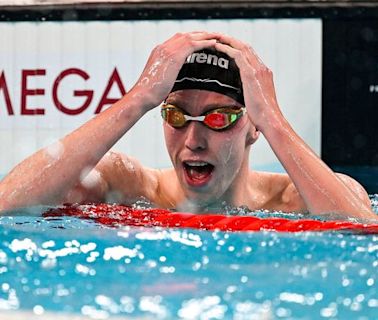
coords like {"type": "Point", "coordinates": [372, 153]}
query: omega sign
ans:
{"type": "Point", "coordinates": [27, 91]}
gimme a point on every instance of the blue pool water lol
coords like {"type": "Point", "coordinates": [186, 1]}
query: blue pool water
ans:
{"type": "Point", "coordinates": [70, 267]}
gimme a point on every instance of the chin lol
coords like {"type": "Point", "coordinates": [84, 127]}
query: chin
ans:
{"type": "Point", "coordinates": [201, 197]}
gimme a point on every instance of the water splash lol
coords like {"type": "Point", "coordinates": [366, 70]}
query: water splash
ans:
{"type": "Point", "coordinates": [168, 273]}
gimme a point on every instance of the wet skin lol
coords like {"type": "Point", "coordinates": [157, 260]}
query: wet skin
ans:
{"type": "Point", "coordinates": [87, 171]}
{"type": "Point", "coordinates": [226, 150]}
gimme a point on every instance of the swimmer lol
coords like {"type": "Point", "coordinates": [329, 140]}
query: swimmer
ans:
{"type": "Point", "coordinates": [216, 98]}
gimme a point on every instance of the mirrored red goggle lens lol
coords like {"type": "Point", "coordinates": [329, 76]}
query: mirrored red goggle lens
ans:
{"type": "Point", "coordinates": [217, 120]}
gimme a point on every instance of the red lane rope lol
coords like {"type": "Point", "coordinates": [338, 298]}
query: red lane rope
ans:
{"type": "Point", "coordinates": [115, 215]}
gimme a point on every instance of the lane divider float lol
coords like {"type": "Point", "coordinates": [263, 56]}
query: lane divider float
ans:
{"type": "Point", "coordinates": [122, 215]}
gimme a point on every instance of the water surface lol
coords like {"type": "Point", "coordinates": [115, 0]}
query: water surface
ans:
{"type": "Point", "coordinates": [78, 267]}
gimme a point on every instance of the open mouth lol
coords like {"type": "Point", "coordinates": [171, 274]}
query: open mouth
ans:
{"type": "Point", "coordinates": [198, 173]}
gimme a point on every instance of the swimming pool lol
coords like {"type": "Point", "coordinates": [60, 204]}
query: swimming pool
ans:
{"type": "Point", "coordinates": [68, 268]}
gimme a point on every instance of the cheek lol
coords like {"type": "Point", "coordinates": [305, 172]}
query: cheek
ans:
{"type": "Point", "coordinates": [232, 150]}
{"type": "Point", "coordinates": [168, 135]}
{"type": "Point", "coordinates": [172, 138]}
{"type": "Point", "coordinates": [234, 140]}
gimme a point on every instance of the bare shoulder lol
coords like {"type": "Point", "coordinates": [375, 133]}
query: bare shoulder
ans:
{"type": "Point", "coordinates": [126, 177]}
{"type": "Point", "coordinates": [281, 192]}
{"type": "Point", "coordinates": [356, 187]}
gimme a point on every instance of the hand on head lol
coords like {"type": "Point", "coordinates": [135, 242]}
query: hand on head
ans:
{"type": "Point", "coordinates": [164, 64]}
{"type": "Point", "coordinates": [166, 60]}
{"type": "Point", "coordinates": [258, 86]}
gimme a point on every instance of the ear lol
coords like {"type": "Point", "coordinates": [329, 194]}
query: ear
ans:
{"type": "Point", "coordinates": [252, 135]}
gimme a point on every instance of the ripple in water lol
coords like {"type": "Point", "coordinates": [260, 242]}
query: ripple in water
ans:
{"type": "Point", "coordinates": [68, 267]}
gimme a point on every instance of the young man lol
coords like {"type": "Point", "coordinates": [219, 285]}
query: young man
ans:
{"type": "Point", "coordinates": [214, 110]}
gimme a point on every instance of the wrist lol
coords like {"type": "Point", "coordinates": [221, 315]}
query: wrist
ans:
{"type": "Point", "coordinates": [271, 122]}
{"type": "Point", "coordinates": [142, 100]}
{"type": "Point", "coordinates": [269, 119]}
{"type": "Point", "coordinates": [129, 107]}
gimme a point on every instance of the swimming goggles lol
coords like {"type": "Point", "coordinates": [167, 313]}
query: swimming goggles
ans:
{"type": "Point", "coordinates": [216, 119]}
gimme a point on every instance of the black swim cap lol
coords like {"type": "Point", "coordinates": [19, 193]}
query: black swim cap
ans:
{"type": "Point", "coordinates": [211, 70]}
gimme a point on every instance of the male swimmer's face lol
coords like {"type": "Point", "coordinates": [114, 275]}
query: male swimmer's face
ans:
{"type": "Point", "coordinates": [207, 162]}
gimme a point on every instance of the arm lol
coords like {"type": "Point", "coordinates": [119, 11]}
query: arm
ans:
{"type": "Point", "coordinates": [322, 190]}
{"type": "Point", "coordinates": [117, 178]}
{"type": "Point", "coordinates": [50, 175]}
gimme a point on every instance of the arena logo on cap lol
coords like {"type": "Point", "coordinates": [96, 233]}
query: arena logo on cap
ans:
{"type": "Point", "coordinates": [201, 57]}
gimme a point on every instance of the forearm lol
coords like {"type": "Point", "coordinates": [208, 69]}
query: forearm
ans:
{"type": "Point", "coordinates": [48, 175]}
{"type": "Point", "coordinates": [321, 189]}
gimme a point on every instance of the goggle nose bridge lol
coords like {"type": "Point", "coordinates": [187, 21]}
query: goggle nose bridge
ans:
{"type": "Point", "coordinates": [190, 118]}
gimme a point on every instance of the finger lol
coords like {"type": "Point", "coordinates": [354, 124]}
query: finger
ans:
{"type": "Point", "coordinates": [202, 44]}
{"type": "Point", "coordinates": [237, 44]}
{"type": "Point", "coordinates": [236, 54]}
{"type": "Point", "coordinates": [181, 40]}
{"type": "Point", "coordinates": [252, 59]}
{"type": "Point", "coordinates": [251, 54]}
{"type": "Point", "coordinates": [202, 35]}
{"type": "Point", "coordinates": [200, 31]}
{"type": "Point", "coordinates": [192, 36]}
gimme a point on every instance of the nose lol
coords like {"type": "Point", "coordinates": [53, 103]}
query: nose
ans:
{"type": "Point", "coordinates": [195, 138]}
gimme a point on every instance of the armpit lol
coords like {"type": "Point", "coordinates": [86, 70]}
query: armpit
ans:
{"type": "Point", "coordinates": [91, 188]}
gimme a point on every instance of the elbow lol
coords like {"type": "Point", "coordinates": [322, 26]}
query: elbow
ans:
{"type": "Point", "coordinates": [362, 214]}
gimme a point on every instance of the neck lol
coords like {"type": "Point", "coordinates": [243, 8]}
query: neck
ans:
{"type": "Point", "coordinates": [237, 194]}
